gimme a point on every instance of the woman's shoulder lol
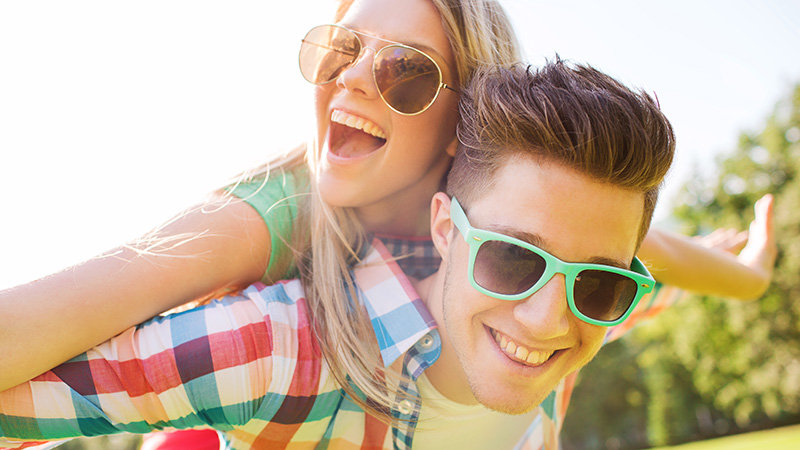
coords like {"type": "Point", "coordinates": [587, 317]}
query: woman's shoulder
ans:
{"type": "Point", "coordinates": [271, 184]}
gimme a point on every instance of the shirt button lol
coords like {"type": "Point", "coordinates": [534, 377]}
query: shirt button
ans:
{"type": "Point", "coordinates": [426, 342]}
{"type": "Point", "coordinates": [404, 407]}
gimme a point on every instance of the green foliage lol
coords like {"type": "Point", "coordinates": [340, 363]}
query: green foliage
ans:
{"type": "Point", "coordinates": [744, 359]}
{"type": "Point", "coordinates": [610, 402]}
{"type": "Point", "coordinates": [712, 366]}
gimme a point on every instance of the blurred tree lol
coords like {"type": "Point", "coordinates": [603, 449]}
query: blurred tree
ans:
{"type": "Point", "coordinates": [709, 366]}
{"type": "Point", "coordinates": [610, 406]}
{"type": "Point", "coordinates": [744, 358]}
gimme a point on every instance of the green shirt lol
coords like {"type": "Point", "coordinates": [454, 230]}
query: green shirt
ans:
{"type": "Point", "coordinates": [276, 197]}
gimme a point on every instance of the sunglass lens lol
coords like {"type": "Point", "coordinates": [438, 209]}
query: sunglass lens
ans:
{"type": "Point", "coordinates": [506, 268]}
{"type": "Point", "coordinates": [407, 79]}
{"type": "Point", "coordinates": [603, 295]}
{"type": "Point", "coordinates": [326, 51]}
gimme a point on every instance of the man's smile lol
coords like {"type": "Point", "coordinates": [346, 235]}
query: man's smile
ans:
{"type": "Point", "coordinates": [520, 353]}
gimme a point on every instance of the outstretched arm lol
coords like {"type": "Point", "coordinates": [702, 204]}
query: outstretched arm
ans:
{"type": "Point", "coordinates": [712, 267]}
{"type": "Point", "coordinates": [221, 244]}
{"type": "Point", "coordinates": [210, 366]}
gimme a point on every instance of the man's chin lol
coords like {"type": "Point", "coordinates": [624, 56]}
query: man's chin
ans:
{"type": "Point", "coordinates": [509, 404]}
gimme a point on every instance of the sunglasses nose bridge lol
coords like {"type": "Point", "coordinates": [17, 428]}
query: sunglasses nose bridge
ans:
{"type": "Point", "coordinates": [545, 312]}
{"type": "Point", "coordinates": [363, 49]}
{"type": "Point", "coordinates": [549, 280]}
{"type": "Point", "coordinates": [359, 43]}
{"type": "Point", "coordinates": [359, 75]}
{"type": "Point", "coordinates": [361, 56]}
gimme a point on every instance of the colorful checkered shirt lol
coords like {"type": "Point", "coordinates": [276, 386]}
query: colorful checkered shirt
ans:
{"type": "Point", "coordinates": [249, 366]}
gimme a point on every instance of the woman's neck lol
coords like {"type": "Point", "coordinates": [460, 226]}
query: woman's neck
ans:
{"type": "Point", "coordinates": [400, 219]}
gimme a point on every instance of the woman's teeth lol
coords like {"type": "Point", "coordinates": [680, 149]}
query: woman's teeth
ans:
{"type": "Point", "coordinates": [358, 123]}
{"type": "Point", "coordinates": [520, 353]}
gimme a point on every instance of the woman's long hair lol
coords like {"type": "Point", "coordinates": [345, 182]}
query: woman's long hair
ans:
{"type": "Point", "coordinates": [480, 34]}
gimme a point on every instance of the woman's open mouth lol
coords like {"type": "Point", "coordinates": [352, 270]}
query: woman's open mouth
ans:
{"type": "Point", "coordinates": [351, 136]}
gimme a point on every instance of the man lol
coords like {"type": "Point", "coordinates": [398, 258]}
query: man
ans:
{"type": "Point", "coordinates": [549, 197]}
{"type": "Point", "coordinates": [566, 160]}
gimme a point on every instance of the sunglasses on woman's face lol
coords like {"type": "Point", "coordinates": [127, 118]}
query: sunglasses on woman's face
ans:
{"type": "Point", "coordinates": [507, 268]}
{"type": "Point", "coordinates": [408, 80]}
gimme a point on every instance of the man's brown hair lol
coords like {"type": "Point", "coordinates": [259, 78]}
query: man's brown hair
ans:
{"type": "Point", "coordinates": [574, 116]}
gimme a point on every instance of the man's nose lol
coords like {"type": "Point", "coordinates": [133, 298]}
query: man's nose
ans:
{"type": "Point", "coordinates": [545, 313]}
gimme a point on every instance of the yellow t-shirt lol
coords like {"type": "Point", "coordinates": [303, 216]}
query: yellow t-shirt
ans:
{"type": "Point", "coordinates": [446, 424]}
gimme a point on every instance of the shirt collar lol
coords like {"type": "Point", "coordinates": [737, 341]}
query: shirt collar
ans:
{"type": "Point", "coordinates": [398, 316]}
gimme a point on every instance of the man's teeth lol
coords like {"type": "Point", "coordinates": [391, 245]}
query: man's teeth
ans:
{"type": "Point", "coordinates": [358, 123]}
{"type": "Point", "coordinates": [519, 352]}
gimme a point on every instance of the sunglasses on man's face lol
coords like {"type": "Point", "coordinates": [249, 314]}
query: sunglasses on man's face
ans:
{"type": "Point", "coordinates": [408, 80]}
{"type": "Point", "coordinates": [507, 268]}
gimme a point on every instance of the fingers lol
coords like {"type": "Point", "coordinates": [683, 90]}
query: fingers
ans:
{"type": "Point", "coordinates": [759, 239]}
{"type": "Point", "coordinates": [737, 242]}
{"type": "Point", "coordinates": [761, 249]}
{"type": "Point", "coordinates": [762, 224]}
{"type": "Point", "coordinates": [726, 239]}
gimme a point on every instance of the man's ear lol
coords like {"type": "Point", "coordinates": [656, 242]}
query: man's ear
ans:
{"type": "Point", "coordinates": [441, 225]}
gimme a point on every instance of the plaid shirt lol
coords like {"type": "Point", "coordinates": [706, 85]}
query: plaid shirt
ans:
{"type": "Point", "coordinates": [249, 366]}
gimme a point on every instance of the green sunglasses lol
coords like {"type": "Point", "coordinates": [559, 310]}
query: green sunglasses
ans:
{"type": "Point", "coordinates": [507, 268]}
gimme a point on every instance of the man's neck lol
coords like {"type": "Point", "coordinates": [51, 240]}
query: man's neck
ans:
{"type": "Point", "coordinates": [446, 375]}
{"type": "Point", "coordinates": [423, 286]}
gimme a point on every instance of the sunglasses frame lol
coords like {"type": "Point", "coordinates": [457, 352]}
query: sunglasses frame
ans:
{"type": "Point", "coordinates": [356, 57]}
{"type": "Point", "coordinates": [475, 237]}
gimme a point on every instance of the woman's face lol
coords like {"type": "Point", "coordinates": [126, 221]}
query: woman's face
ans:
{"type": "Point", "coordinates": [385, 164]}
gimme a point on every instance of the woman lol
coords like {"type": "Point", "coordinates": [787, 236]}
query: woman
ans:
{"type": "Point", "coordinates": [382, 183]}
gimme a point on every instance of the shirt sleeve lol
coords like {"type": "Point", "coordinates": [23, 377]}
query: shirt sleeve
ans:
{"type": "Point", "coordinates": [275, 198]}
{"type": "Point", "coordinates": [206, 367]}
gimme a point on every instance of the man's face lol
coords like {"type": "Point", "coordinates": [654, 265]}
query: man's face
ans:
{"type": "Point", "coordinates": [509, 355]}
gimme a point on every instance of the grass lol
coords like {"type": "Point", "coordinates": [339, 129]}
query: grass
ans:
{"type": "Point", "coordinates": [786, 438]}
{"type": "Point", "coordinates": [115, 442]}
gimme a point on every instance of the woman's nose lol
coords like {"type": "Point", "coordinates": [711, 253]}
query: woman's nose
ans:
{"type": "Point", "coordinates": [357, 78]}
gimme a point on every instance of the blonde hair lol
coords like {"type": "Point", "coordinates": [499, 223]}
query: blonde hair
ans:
{"type": "Point", "coordinates": [480, 34]}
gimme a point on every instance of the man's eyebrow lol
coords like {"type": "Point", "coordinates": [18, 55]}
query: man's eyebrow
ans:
{"type": "Point", "coordinates": [609, 262]}
{"type": "Point", "coordinates": [531, 238]}
{"type": "Point", "coordinates": [537, 241]}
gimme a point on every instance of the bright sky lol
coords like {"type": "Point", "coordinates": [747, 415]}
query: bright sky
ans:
{"type": "Point", "coordinates": [115, 115]}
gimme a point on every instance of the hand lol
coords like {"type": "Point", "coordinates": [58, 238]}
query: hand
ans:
{"type": "Point", "coordinates": [761, 250]}
{"type": "Point", "coordinates": [754, 249]}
